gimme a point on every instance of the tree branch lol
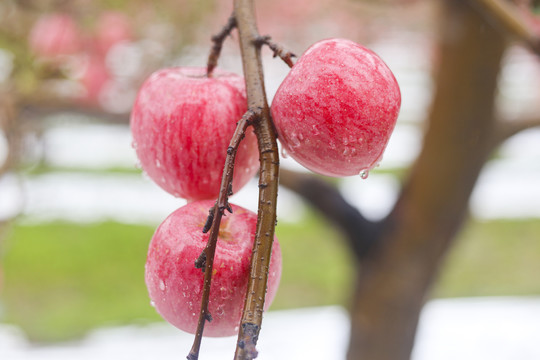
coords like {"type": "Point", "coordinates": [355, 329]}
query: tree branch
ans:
{"type": "Point", "coordinates": [278, 50]}
{"type": "Point", "coordinates": [218, 41]}
{"type": "Point", "coordinates": [505, 129]}
{"type": "Point", "coordinates": [359, 232]}
{"type": "Point", "coordinates": [268, 181]}
{"type": "Point", "coordinates": [206, 259]}
{"type": "Point", "coordinates": [40, 110]}
{"type": "Point", "coordinates": [506, 16]}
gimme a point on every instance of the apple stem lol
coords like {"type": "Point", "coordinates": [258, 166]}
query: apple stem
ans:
{"type": "Point", "coordinates": [268, 180]}
{"type": "Point", "coordinates": [218, 41]}
{"type": "Point", "coordinates": [506, 15]}
{"type": "Point", "coordinates": [279, 51]}
{"type": "Point", "coordinates": [206, 259]}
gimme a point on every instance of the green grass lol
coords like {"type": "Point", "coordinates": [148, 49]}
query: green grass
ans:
{"type": "Point", "coordinates": [43, 168]}
{"type": "Point", "coordinates": [62, 279]}
{"type": "Point", "coordinates": [493, 258]}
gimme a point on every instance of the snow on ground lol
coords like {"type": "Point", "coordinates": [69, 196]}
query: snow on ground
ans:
{"type": "Point", "coordinates": [465, 329]}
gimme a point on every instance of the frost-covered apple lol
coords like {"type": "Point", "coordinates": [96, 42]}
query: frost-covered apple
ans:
{"type": "Point", "coordinates": [182, 123]}
{"type": "Point", "coordinates": [336, 109]}
{"type": "Point", "coordinates": [175, 285]}
{"type": "Point", "coordinates": [54, 35]}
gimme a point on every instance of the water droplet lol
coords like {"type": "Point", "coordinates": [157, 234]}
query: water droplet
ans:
{"type": "Point", "coordinates": [161, 285]}
{"type": "Point", "coordinates": [152, 303]}
{"type": "Point", "coordinates": [158, 164]}
{"type": "Point", "coordinates": [284, 153]}
{"type": "Point", "coordinates": [294, 140]}
{"type": "Point", "coordinates": [224, 293]}
{"type": "Point", "coordinates": [236, 328]}
{"type": "Point", "coordinates": [364, 173]}
{"type": "Point", "coordinates": [220, 310]}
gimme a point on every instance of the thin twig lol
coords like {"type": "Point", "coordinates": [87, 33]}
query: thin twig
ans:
{"type": "Point", "coordinates": [278, 50]}
{"type": "Point", "coordinates": [207, 256]}
{"type": "Point", "coordinates": [218, 41]}
{"type": "Point", "coordinates": [507, 16]}
{"type": "Point", "coordinates": [268, 181]}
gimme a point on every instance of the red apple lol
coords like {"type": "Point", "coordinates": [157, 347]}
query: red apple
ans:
{"type": "Point", "coordinates": [54, 35]}
{"type": "Point", "coordinates": [182, 123]}
{"type": "Point", "coordinates": [175, 285]}
{"type": "Point", "coordinates": [336, 109]}
{"type": "Point", "coordinates": [93, 77]}
{"type": "Point", "coordinates": [112, 28]}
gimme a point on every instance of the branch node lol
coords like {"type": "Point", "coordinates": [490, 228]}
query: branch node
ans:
{"type": "Point", "coordinates": [279, 51]}
{"type": "Point", "coordinates": [200, 263]}
{"type": "Point", "coordinates": [209, 220]}
{"type": "Point", "coordinates": [249, 342]}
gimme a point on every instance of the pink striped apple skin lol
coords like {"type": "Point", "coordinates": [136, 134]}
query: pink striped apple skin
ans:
{"type": "Point", "coordinates": [182, 123]}
{"type": "Point", "coordinates": [55, 34]}
{"type": "Point", "coordinates": [336, 109]}
{"type": "Point", "coordinates": [175, 285]}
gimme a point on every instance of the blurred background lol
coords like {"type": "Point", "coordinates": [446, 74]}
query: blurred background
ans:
{"type": "Point", "coordinates": [76, 212]}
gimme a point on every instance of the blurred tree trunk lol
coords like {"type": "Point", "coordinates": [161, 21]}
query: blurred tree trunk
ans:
{"type": "Point", "coordinates": [395, 276]}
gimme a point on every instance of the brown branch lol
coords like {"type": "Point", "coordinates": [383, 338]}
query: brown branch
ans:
{"type": "Point", "coordinates": [360, 233]}
{"type": "Point", "coordinates": [507, 16]}
{"type": "Point", "coordinates": [218, 41]}
{"type": "Point", "coordinates": [268, 181]}
{"type": "Point", "coordinates": [40, 110]}
{"type": "Point", "coordinates": [206, 259]}
{"type": "Point", "coordinates": [278, 50]}
{"type": "Point", "coordinates": [393, 284]}
{"type": "Point", "coordinates": [505, 129]}
{"type": "Point", "coordinates": [10, 127]}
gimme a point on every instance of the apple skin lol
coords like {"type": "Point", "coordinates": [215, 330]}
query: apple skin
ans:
{"type": "Point", "coordinates": [336, 109]}
{"type": "Point", "coordinates": [182, 123]}
{"type": "Point", "coordinates": [175, 285]}
{"type": "Point", "coordinates": [54, 35]}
